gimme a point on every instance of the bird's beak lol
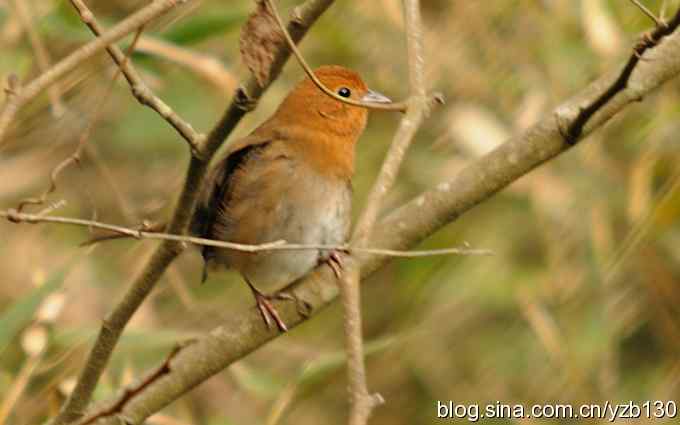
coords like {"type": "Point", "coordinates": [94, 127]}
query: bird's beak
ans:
{"type": "Point", "coordinates": [375, 97]}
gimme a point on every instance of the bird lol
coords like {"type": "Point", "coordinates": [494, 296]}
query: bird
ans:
{"type": "Point", "coordinates": [290, 179]}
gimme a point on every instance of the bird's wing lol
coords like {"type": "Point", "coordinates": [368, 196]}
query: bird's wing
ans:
{"type": "Point", "coordinates": [217, 184]}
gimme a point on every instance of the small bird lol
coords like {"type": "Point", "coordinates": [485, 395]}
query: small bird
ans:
{"type": "Point", "coordinates": [290, 179]}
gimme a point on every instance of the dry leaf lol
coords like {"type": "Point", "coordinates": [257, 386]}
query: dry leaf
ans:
{"type": "Point", "coordinates": [261, 38]}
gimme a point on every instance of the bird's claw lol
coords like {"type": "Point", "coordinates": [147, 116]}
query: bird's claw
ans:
{"type": "Point", "coordinates": [268, 311]}
{"type": "Point", "coordinates": [336, 262]}
{"type": "Point", "coordinates": [269, 314]}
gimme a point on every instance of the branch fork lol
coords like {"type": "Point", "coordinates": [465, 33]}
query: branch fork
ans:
{"type": "Point", "coordinates": [241, 334]}
{"type": "Point", "coordinates": [539, 144]}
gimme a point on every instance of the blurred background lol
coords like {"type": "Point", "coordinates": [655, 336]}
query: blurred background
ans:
{"type": "Point", "coordinates": [579, 304]}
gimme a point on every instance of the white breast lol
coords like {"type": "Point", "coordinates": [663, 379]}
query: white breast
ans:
{"type": "Point", "coordinates": [315, 214]}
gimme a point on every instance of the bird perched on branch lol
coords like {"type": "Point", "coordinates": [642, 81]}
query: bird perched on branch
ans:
{"type": "Point", "coordinates": [288, 180]}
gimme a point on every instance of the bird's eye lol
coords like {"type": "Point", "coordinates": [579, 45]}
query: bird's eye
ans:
{"type": "Point", "coordinates": [344, 92]}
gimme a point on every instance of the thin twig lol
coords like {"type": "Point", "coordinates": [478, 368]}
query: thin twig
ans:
{"type": "Point", "coordinates": [109, 333]}
{"type": "Point", "coordinates": [177, 279]}
{"type": "Point", "coordinates": [243, 332]}
{"type": "Point", "coordinates": [141, 91]}
{"type": "Point", "coordinates": [17, 387]}
{"type": "Point", "coordinates": [76, 157]}
{"type": "Point", "coordinates": [129, 393]}
{"type": "Point", "coordinates": [394, 106]}
{"type": "Point", "coordinates": [418, 105]}
{"type": "Point", "coordinates": [362, 403]}
{"type": "Point", "coordinates": [649, 40]}
{"type": "Point", "coordinates": [280, 245]}
{"type": "Point", "coordinates": [72, 61]}
{"type": "Point", "coordinates": [42, 57]}
{"type": "Point", "coordinates": [12, 91]}
{"type": "Point", "coordinates": [615, 265]}
{"type": "Point", "coordinates": [204, 65]}
{"type": "Point", "coordinates": [646, 11]}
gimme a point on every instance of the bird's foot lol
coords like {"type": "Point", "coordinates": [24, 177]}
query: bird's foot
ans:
{"type": "Point", "coordinates": [267, 310]}
{"type": "Point", "coordinates": [336, 262]}
{"type": "Point", "coordinates": [269, 313]}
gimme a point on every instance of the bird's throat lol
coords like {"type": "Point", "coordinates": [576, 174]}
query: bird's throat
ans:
{"type": "Point", "coordinates": [328, 154]}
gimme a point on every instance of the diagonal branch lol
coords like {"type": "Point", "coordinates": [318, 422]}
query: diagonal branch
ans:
{"type": "Point", "coordinates": [361, 401]}
{"type": "Point", "coordinates": [140, 91]}
{"type": "Point", "coordinates": [393, 106]}
{"type": "Point", "coordinates": [650, 15]}
{"type": "Point", "coordinates": [204, 65]}
{"type": "Point", "coordinates": [42, 56]}
{"type": "Point", "coordinates": [76, 156]}
{"type": "Point", "coordinates": [244, 333]}
{"type": "Point", "coordinates": [648, 41]}
{"type": "Point", "coordinates": [72, 61]}
{"type": "Point", "coordinates": [115, 322]}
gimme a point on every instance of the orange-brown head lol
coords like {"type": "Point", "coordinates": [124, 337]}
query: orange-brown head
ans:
{"type": "Point", "coordinates": [325, 128]}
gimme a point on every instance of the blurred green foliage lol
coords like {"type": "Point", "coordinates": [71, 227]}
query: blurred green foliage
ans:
{"type": "Point", "coordinates": [22, 311]}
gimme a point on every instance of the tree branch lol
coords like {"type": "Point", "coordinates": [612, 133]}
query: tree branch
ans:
{"type": "Point", "coordinates": [74, 159]}
{"type": "Point", "coordinates": [16, 216]}
{"type": "Point", "coordinates": [140, 91]}
{"type": "Point", "coordinates": [244, 332]}
{"type": "Point", "coordinates": [69, 63]}
{"type": "Point", "coordinates": [648, 41]}
{"type": "Point", "coordinates": [204, 65]}
{"type": "Point", "coordinates": [361, 401]}
{"type": "Point", "coordinates": [42, 57]}
{"type": "Point", "coordinates": [393, 106]}
{"type": "Point", "coordinates": [242, 102]}
{"type": "Point", "coordinates": [650, 15]}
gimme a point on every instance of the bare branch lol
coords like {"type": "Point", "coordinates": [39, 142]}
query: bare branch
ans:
{"type": "Point", "coordinates": [9, 109]}
{"type": "Point", "coordinates": [650, 15]}
{"type": "Point", "coordinates": [84, 137]}
{"type": "Point", "coordinates": [204, 65]}
{"type": "Point", "coordinates": [141, 91]}
{"type": "Point", "coordinates": [128, 394]}
{"type": "Point", "coordinates": [648, 41]}
{"type": "Point", "coordinates": [280, 245]}
{"type": "Point", "coordinates": [241, 334]}
{"type": "Point", "coordinates": [394, 106]}
{"type": "Point", "coordinates": [69, 63]}
{"type": "Point", "coordinates": [243, 101]}
{"type": "Point", "coordinates": [362, 402]}
{"type": "Point", "coordinates": [42, 57]}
